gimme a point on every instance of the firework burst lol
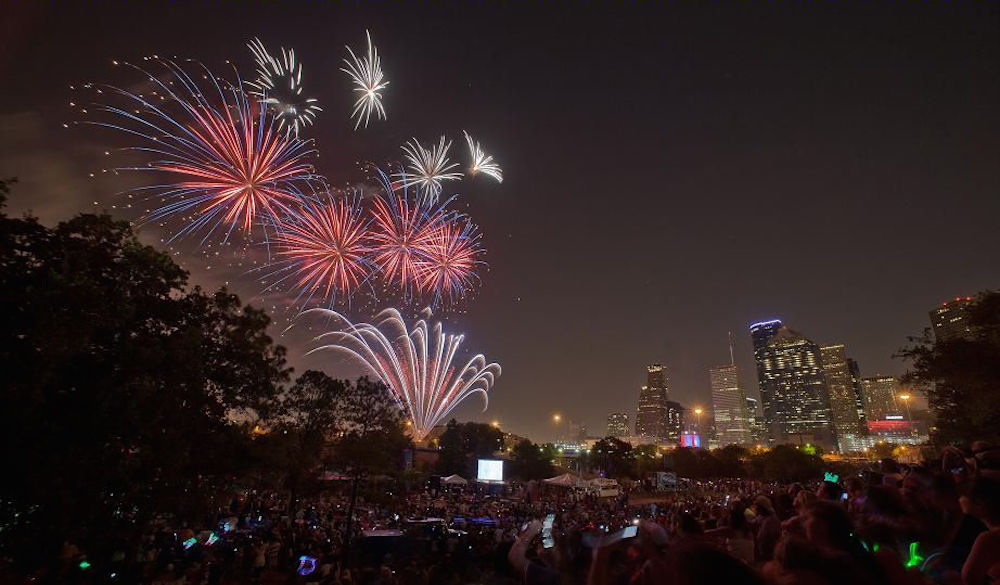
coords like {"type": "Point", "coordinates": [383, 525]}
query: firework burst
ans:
{"type": "Point", "coordinates": [481, 163]}
{"type": "Point", "coordinates": [446, 269]}
{"type": "Point", "coordinates": [417, 365]}
{"type": "Point", "coordinates": [279, 85]}
{"type": "Point", "coordinates": [323, 250]}
{"type": "Point", "coordinates": [232, 167]}
{"type": "Point", "coordinates": [369, 82]}
{"type": "Point", "coordinates": [428, 167]}
{"type": "Point", "coordinates": [402, 232]}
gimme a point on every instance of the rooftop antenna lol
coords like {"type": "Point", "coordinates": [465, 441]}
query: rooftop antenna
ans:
{"type": "Point", "coordinates": [732, 357]}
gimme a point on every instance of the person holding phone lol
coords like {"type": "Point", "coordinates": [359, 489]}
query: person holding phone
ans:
{"type": "Point", "coordinates": [534, 571]}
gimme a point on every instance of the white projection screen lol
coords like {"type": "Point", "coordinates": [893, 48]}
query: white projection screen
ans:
{"type": "Point", "coordinates": [490, 470]}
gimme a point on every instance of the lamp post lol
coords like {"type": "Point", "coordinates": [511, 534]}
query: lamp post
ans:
{"type": "Point", "coordinates": [906, 402]}
{"type": "Point", "coordinates": [697, 413]}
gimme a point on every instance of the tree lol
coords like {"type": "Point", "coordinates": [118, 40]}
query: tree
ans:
{"type": "Point", "coordinates": [962, 376]}
{"type": "Point", "coordinates": [370, 436]}
{"type": "Point", "coordinates": [789, 463]}
{"type": "Point", "coordinates": [462, 443]}
{"type": "Point", "coordinates": [528, 461]}
{"type": "Point", "coordinates": [613, 456]}
{"type": "Point", "coordinates": [125, 382]}
{"type": "Point", "coordinates": [647, 460]}
{"type": "Point", "coordinates": [304, 419]}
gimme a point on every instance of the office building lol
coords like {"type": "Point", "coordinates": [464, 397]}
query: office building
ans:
{"type": "Point", "coordinates": [729, 405]}
{"type": "Point", "coordinates": [674, 422]}
{"type": "Point", "coordinates": [847, 425]}
{"type": "Point", "coordinates": [651, 415]}
{"type": "Point", "coordinates": [760, 334]}
{"type": "Point", "coordinates": [951, 320]}
{"type": "Point", "coordinates": [859, 401]}
{"type": "Point", "coordinates": [793, 390]}
{"type": "Point", "coordinates": [755, 421]}
{"type": "Point", "coordinates": [618, 424]}
{"type": "Point", "coordinates": [879, 394]}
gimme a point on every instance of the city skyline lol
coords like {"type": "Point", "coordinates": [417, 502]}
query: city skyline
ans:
{"type": "Point", "coordinates": [765, 146]}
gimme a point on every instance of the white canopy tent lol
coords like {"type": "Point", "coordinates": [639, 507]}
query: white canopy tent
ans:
{"type": "Point", "coordinates": [454, 480]}
{"type": "Point", "coordinates": [565, 480]}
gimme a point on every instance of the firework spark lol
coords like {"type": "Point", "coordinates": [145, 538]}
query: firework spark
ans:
{"type": "Point", "coordinates": [323, 249]}
{"type": "Point", "coordinates": [402, 232]}
{"type": "Point", "coordinates": [450, 255]}
{"type": "Point", "coordinates": [232, 166]}
{"type": "Point", "coordinates": [369, 81]}
{"type": "Point", "coordinates": [279, 85]}
{"type": "Point", "coordinates": [428, 167]}
{"type": "Point", "coordinates": [481, 163]}
{"type": "Point", "coordinates": [416, 364]}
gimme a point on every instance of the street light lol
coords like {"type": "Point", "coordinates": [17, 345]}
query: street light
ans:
{"type": "Point", "coordinates": [556, 418]}
{"type": "Point", "coordinates": [697, 412]}
{"type": "Point", "coordinates": [495, 424]}
{"type": "Point", "coordinates": [906, 402]}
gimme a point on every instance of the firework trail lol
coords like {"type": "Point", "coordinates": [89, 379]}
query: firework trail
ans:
{"type": "Point", "coordinates": [428, 167]}
{"type": "Point", "coordinates": [279, 85]}
{"type": "Point", "coordinates": [416, 364]}
{"type": "Point", "coordinates": [232, 167]}
{"type": "Point", "coordinates": [369, 81]}
{"type": "Point", "coordinates": [323, 249]}
{"type": "Point", "coordinates": [481, 163]}
{"type": "Point", "coordinates": [446, 269]}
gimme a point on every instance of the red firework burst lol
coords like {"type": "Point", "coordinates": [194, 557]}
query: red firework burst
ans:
{"type": "Point", "coordinates": [450, 256]}
{"type": "Point", "coordinates": [325, 248]}
{"type": "Point", "coordinates": [401, 235]}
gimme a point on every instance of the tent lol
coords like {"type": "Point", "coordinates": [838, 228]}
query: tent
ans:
{"type": "Point", "coordinates": [454, 480]}
{"type": "Point", "coordinates": [565, 480]}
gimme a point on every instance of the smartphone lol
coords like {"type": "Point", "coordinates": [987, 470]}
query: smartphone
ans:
{"type": "Point", "coordinates": [547, 540]}
{"type": "Point", "coordinates": [843, 496]}
{"type": "Point", "coordinates": [595, 541]}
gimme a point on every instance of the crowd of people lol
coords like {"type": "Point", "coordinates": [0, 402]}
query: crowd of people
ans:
{"type": "Point", "coordinates": [938, 522]}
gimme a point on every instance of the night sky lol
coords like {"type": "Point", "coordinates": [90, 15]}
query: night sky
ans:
{"type": "Point", "coordinates": [672, 172]}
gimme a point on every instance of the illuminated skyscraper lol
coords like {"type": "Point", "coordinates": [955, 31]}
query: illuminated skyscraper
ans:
{"type": "Point", "coordinates": [793, 390]}
{"type": "Point", "coordinates": [880, 397]}
{"type": "Point", "coordinates": [755, 421]}
{"type": "Point", "coordinates": [617, 424]}
{"type": "Point", "coordinates": [760, 334]}
{"type": "Point", "coordinates": [859, 401]}
{"type": "Point", "coordinates": [951, 320]}
{"type": "Point", "coordinates": [843, 401]}
{"type": "Point", "coordinates": [729, 403]}
{"type": "Point", "coordinates": [674, 421]}
{"type": "Point", "coordinates": [651, 415]}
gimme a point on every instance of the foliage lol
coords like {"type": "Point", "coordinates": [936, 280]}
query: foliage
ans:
{"type": "Point", "coordinates": [121, 385]}
{"type": "Point", "coordinates": [529, 461]}
{"type": "Point", "coordinates": [370, 433]}
{"type": "Point", "coordinates": [613, 456]}
{"type": "Point", "coordinates": [962, 376]}
{"type": "Point", "coordinates": [462, 443]}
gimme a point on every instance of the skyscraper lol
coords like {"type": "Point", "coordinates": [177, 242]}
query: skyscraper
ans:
{"type": "Point", "coordinates": [755, 421]}
{"type": "Point", "coordinates": [729, 403]}
{"type": "Point", "coordinates": [674, 422]}
{"type": "Point", "coordinates": [793, 390]}
{"type": "Point", "coordinates": [617, 424]}
{"type": "Point", "coordinates": [951, 320]}
{"type": "Point", "coordinates": [843, 401]}
{"type": "Point", "coordinates": [880, 396]}
{"type": "Point", "coordinates": [859, 400]}
{"type": "Point", "coordinates": [760, 334]}
{"type": "Point", "coordinates": [651, 415]}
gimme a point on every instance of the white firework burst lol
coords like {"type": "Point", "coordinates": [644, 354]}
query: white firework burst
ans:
{"type": "Point", "coordinates": [279, 85]}
{"type": "Point", "coordinates": [417, 364]}
{"type": "Point", "coordinates": [481, 162]}
{"type": "Point", "coordinates": [428, 167]}
{"type": "Point", "coordinates": [366, 74]}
